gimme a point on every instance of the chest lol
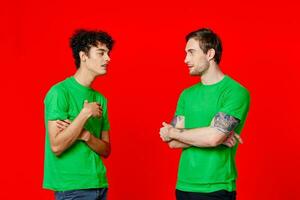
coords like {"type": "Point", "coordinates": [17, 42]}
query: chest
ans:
{"type": "Point", "coordinates": [200, 109]}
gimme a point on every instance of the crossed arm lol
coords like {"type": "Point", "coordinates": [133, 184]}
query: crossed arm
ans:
{"type": "Point", "coordinates": [219, 132]}
{"type": "Point", "coordinates": [64, 133]}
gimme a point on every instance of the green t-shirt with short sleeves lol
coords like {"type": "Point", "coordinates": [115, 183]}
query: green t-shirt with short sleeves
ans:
{"type": "Point", "coordinates": [79, 167]}
{"type": "Point", "coordinates": [210, 169]}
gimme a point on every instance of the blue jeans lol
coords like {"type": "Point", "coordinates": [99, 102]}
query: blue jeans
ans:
{"type": "Point", "coordinates": [86, 194]}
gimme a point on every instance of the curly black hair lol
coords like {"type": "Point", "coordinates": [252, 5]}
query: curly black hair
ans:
{"type": "Point", "coordinates": [83, 40]}
{"type": "Point", "coordinates": [207, 40]}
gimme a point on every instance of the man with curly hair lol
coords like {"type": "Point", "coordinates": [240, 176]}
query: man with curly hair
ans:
{"type": "Point", "coordinates": [208, 119]}
{"type": "Point", "coordinates": [77, 125]}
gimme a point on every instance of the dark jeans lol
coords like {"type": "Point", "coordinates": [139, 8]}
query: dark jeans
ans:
{"type": "Point", "coordinates": [218, 195]}
{"type": "Point", "coordinates": [86, 194]}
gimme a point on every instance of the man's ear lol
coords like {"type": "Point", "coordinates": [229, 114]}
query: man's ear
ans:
{"type": "Point", "coordinates": [210, 54]}
{"type": "Point", "coordinates": [82, 56]}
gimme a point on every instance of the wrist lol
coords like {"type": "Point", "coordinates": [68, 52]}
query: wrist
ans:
{"type": "Point", "coordinates": [87, 136]}
{"type": "Point", "coordinates": [86, 113]}
{"type": "Point", "coordinates": [175, 133]}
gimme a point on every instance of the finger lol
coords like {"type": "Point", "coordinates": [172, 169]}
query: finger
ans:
{"type": "Point", "coordinates": [230, 144]}
{"type": "Point", "coordinates": [161, 131]}
{"type": "Point", "coordinates": [238, 138]}
{"type": "Point", "coordinates": [59, 122]}
{"type": "Point", "coordinates": [58, 126]}
{"type": "Point", "coordinates": [233, 141]}
{"type": "Point", "coordinates": [227, 144]}
{"type": "Point", "coordinates": [85, 102]}
{"type": "Point", "coordinates": [63, 123]}
{"type": "Point", "coordinates": [166, 124]}
{"type": "Point", "coordinates": [67, 121]}
{"type": "Point", "coordinates": [163, 139]}
{"type": "Point", "coordinates": [61, 128]}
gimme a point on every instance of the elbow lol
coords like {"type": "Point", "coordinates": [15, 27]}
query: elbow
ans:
{"type": "Point", "coordinates": [106, 153]}
{"type": "Point", "coordinates": [56, 150]}
{"type": "Point", "coordinates": [215, 141]}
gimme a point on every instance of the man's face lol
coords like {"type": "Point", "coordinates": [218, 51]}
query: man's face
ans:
{"type": "Point", "coordinates": [98, 59]}
{"type": "Point", "coordinates": [195, 58]}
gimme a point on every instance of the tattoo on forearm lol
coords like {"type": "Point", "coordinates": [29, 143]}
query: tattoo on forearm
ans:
{"type": "Point", "coordinates": [224, 122]}
{"type": "Point", "coordinates": [174, 121]}
{"type": "Point", "coordinates": [178, 121]}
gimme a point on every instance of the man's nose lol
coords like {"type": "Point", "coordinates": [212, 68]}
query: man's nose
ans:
{"type": "Point", "coordinates": [186, 59]}
{"type": "Point", "coordinates": [107, 58]}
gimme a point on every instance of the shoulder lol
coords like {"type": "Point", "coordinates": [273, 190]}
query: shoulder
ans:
{"type": "Point", "coordinates": [236, 89]}
{"type": "Point", "coordinates": [59, 89]}
{"type": "Point", "coordinates": [190, 89]}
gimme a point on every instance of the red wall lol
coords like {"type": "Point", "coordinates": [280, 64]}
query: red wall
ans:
{"type": "Point", "coordinates": [144, 80]}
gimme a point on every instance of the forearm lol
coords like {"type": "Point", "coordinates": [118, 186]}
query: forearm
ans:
{"type": "Point", "coordinates": [200, 137]}
{"type": "Point", "coordinates": [64, 139]}
{"type": "Point", "coordinates": [175, 144]}
{"type": "Point", "coordinates": [99, 146]}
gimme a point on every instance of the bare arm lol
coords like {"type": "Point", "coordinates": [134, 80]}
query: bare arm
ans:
{"type": "Point", "coordinates": [100, 146]}
{"type": "Point", "coordinates": [175, 144]}
{"type": "Point", "coordinates": [221, 126]}
{"type": "Point", "coordinates": [62, 140]}
{"type": "Point", "coordinates": [220, 132]}
{"type": "Point", "coordinates": [199, 137]}
{"type": "Point", "coordinates": [177, 122]}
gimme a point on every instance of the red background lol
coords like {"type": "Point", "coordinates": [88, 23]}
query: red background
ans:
{"type": "Point", "coordinates": [145, 78]}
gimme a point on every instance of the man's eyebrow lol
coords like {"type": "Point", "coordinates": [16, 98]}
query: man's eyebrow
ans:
{"type": "Point", "coordinates": [190, 50]}
{"type": "Point", "coordinates": [100, 49]}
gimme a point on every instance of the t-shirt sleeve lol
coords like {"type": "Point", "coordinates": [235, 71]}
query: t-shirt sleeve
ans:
{"type": "Point", "coordinates": [56, 104]}
{"type": "Point", "coordinates": [236, 103]}
{"type": "Point", "coordinates": [180, 105]}
{"type": "Point", "coordinates": [105, 121]}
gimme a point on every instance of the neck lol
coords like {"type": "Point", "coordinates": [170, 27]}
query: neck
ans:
{"type": "Point", "coordinates": [83, 77]}
{"type": "Point", "coordinates": [212, 75]}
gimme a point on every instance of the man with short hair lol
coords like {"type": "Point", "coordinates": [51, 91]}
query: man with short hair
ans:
{"type": "Point", "coordinates": [208, 119]}
{"type": "Point", "coordinates": [77, 126]}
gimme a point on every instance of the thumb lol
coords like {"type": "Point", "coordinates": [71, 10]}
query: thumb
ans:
{"type": "Point", "coordinates": [238, 138]}
{"type": "Point", "coordinates": [85, 102]}
{"type": "Point", "coordinates": [166, 124]}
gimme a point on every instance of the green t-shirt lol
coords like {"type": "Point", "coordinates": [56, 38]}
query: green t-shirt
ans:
{"type": "Point", "coordinates": [210, 169]}
{"type": "Point", "coordinates": [79, 167]}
